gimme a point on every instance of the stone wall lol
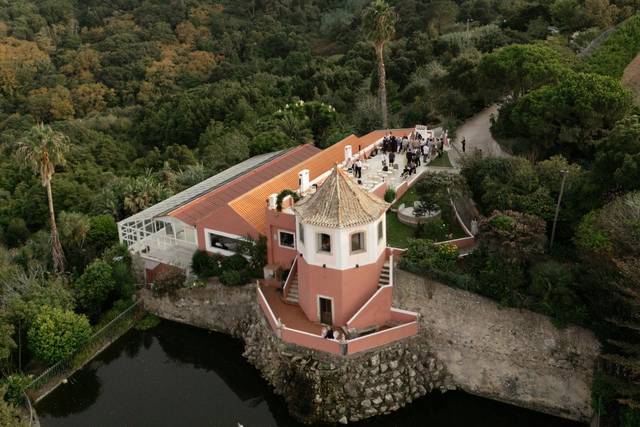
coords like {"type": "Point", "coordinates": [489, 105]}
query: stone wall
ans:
{"type": "Point", "coordinates": [317, 387]}
{"type": "Point", "coordinates": [465, 341]}
{"type": "Point", "coordinates": [510, 355]}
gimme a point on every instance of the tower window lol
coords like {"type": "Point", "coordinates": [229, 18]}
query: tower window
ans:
{"type": "Point", "coordinates": [357, 242]}
{"type": "Point", "coordinates": [324, 243]}
{"type": "Point", "coordinates": [380, 231]}
{"type": "Point", "coordinates": [301, 232]}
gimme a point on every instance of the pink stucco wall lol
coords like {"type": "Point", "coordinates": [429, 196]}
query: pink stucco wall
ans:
{"type": "Point", "coordinates": [383, 337]}
{"type": "Point", "coordinates": [349, 289]}
{"type": "Point", "coordinates": [275, 253]}
{"type": "Point", "coordinates": [310, 341]}
{"type": "Point", "coordinates": [227, 220]}
{"type": "Point", "coordinates": [375, 312]}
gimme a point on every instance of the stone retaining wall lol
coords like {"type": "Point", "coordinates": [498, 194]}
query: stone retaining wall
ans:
{"type": "Point", "coordinates": [515, 356]}
{"type": "Point", "coordinates": [464, 341]}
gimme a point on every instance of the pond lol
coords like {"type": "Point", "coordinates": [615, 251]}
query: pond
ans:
{"type": "Point", "coordinates": [177, 375]}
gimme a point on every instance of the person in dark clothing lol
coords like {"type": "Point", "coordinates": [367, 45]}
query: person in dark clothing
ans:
{"type": "Point", "coordinates": [464, 144]}
{"type": "Point", "coordinates": [392, 158]}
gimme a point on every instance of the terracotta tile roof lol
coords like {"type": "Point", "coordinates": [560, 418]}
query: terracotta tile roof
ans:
{"type": "Point", "coordinates": [339, 203]}
{"type": "Point", "coordinates": [252, 205]}
{"type": "Point", "coordinates": [206, 204]}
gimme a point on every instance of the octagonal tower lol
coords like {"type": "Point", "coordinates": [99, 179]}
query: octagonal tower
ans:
{"type": "Point", "coordinates": [341, 245]}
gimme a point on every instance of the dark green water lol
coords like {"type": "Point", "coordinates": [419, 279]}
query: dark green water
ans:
{"type": "Point", "coordinates": [176, 375]}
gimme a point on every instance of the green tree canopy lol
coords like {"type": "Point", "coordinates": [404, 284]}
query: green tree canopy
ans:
{"type": "Point", "coordinates": [56, 334]}
{"type": "Point", "coordinates": [517, 69]}
{"type": "Point", "coordinates": [566, 117]}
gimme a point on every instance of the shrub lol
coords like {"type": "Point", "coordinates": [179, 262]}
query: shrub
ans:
{"type": "Point", "coordinates": [389, 195]}
{"type": "Point", "coordinates": [233, 278]}
{"type": "Point", "coordinates": [15, 385]}
{"type": "Point", "coordinates": [435, 230]}
{"type": "Point", "coordinates": [10, 415]}
{"type": "Point", "coordinates": [149, 321]}
{"type": "Point", "coordinates": [56, 334]}
{"type": "Point", "coordinates": [551, 284]}
{"type": "Point", "coordinates": [205, 265]}
{"type": "Point", "coordinates": [95, 285]}
{"type": "Point", "coordinates": [169, 280]}
{"type": "Point", "coordinates": [117, 253]}
{"type": "Point", "coordinates": [423, 255]}
{"type": "Point", "coordinates": [235, 262]}
{"type": "Point", "coordinates": [16, 232]}
{"type": "Point", "coordinates": [103, 232]}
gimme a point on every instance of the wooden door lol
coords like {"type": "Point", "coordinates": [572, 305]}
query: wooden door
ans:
{"type": "Point", "coordinates": [326, 311]}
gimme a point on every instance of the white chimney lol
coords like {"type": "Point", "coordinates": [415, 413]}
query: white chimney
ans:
{"type": "Point", "coordinates": [303, 180]}
{"type": "Point", "coordinates": [348, 153]}
{"type": "Point", "coordinates": [273, 201]}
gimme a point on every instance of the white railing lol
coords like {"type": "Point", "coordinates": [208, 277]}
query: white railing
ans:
{"type": "Point", "coordinates": [293, 270]}
{"type": "Point", "coordinates": [266, 304]}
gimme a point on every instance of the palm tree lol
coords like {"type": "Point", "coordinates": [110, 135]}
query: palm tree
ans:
{"type": "Point", "coordinates": [378, 23]}
{"type": "Point", "coordinates": [42, 149]}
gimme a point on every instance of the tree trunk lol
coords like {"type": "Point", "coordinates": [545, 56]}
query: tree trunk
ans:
{"type": "Point", "coordinates": [382, 86]}
{"type": "Point", "coordinates": [56, 248]}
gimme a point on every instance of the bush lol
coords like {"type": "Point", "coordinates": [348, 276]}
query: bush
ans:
{"type": "Point", "coordinates": [103, 232]}
{"type": "Point", "coordinates": [235, 262]}
{"type": "Point", "coordinates": [93, 288]}
{"type": "Point", "coordinates": [425, 256]}
{"type": "Point", "coordinates": [389, 195]}
{"type": "Point", "coordinates": [56, 334]}
{"type": "Point", "coordinates": [205, 265]}
{"type": "Point", "coordinates": [613, 56]}
{"type": "Point", "coordinates": [169, 280]}
{"type": "Point", "coordinates": [16, 232]}
{"type": "Point", "coordinates": [435, 230]}
{"type": "Point", "coordinates": [149, 321]}
{"type": "Point", "coordinates": [551, 284]}
{"type": "Point", "coordinates": [15, 385]}
{"type": "Point", "coordinates": [233, 278]}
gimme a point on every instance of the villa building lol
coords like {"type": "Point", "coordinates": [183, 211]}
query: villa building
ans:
{"type": "Point", "coordinates": [330, 244]}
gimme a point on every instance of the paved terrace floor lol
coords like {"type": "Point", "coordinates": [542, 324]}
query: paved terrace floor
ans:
{"type": "Point", "coordinates": [373, 175]}
{"type": "Point", "coordinates": [291, 315]}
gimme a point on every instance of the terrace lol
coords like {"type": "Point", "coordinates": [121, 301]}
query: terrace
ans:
{"type": "Point", "coordinates": [291, 324]}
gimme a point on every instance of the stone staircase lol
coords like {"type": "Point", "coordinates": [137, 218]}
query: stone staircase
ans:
{"type": "Point", "coordinates": [384, 275]}
{"type": "Point", "coordinates": [292, 291]}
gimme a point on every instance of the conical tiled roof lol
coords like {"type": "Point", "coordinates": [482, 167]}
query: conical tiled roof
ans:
{"type": "Point", "coordinates": [340, 203]}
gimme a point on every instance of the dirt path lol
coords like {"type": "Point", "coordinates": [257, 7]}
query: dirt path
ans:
{"type": "Point", "coordinates": [631, 78]}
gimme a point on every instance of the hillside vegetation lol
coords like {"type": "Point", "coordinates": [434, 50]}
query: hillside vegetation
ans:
{"type": "Point", "coordinates": [107, 108]}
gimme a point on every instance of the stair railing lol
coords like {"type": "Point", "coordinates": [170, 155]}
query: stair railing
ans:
{"type": "Point", "coordinates": [292, 271]}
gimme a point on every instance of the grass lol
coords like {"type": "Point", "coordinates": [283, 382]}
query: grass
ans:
{"type": "Point", "coordinates": [398, 233]}
{"type": "Point", "coordinates": [442, 161]}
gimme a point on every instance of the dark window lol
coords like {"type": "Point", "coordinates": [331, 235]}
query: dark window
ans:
{"type": "Point", "coordinates": [357, 242]}
{"type": "Point", "coordinates": [324, 242]}
{"type": "Point", "coordinates": [224, 242]}
{"type": "Point", "coordinates": [287, 239]}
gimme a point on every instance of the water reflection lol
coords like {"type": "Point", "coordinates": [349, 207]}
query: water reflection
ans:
{"type": "Point", "coordinates": [175, 375]}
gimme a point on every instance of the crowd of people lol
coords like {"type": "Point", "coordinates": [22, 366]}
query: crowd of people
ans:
{"type": "Point", "coordinates": [415, 148]}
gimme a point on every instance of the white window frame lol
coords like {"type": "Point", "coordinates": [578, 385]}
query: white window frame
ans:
{"type": "Point", "coordinates": [363, 241]}
{"type": "Point", "coordinates": [333, 308]}
{"type": "Point", "coordinates": [293, 245]}
{"type": "Point", "coordinates": [319, 244]}
{"type": "Point", "coordinates": [215, 250]}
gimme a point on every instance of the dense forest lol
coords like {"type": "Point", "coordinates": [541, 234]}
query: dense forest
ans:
{"type": "Point", "coordinates": [135, 100]}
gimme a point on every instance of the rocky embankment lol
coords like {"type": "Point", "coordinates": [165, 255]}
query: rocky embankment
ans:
{"type": "Point", "coordinates": [465, 341]}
